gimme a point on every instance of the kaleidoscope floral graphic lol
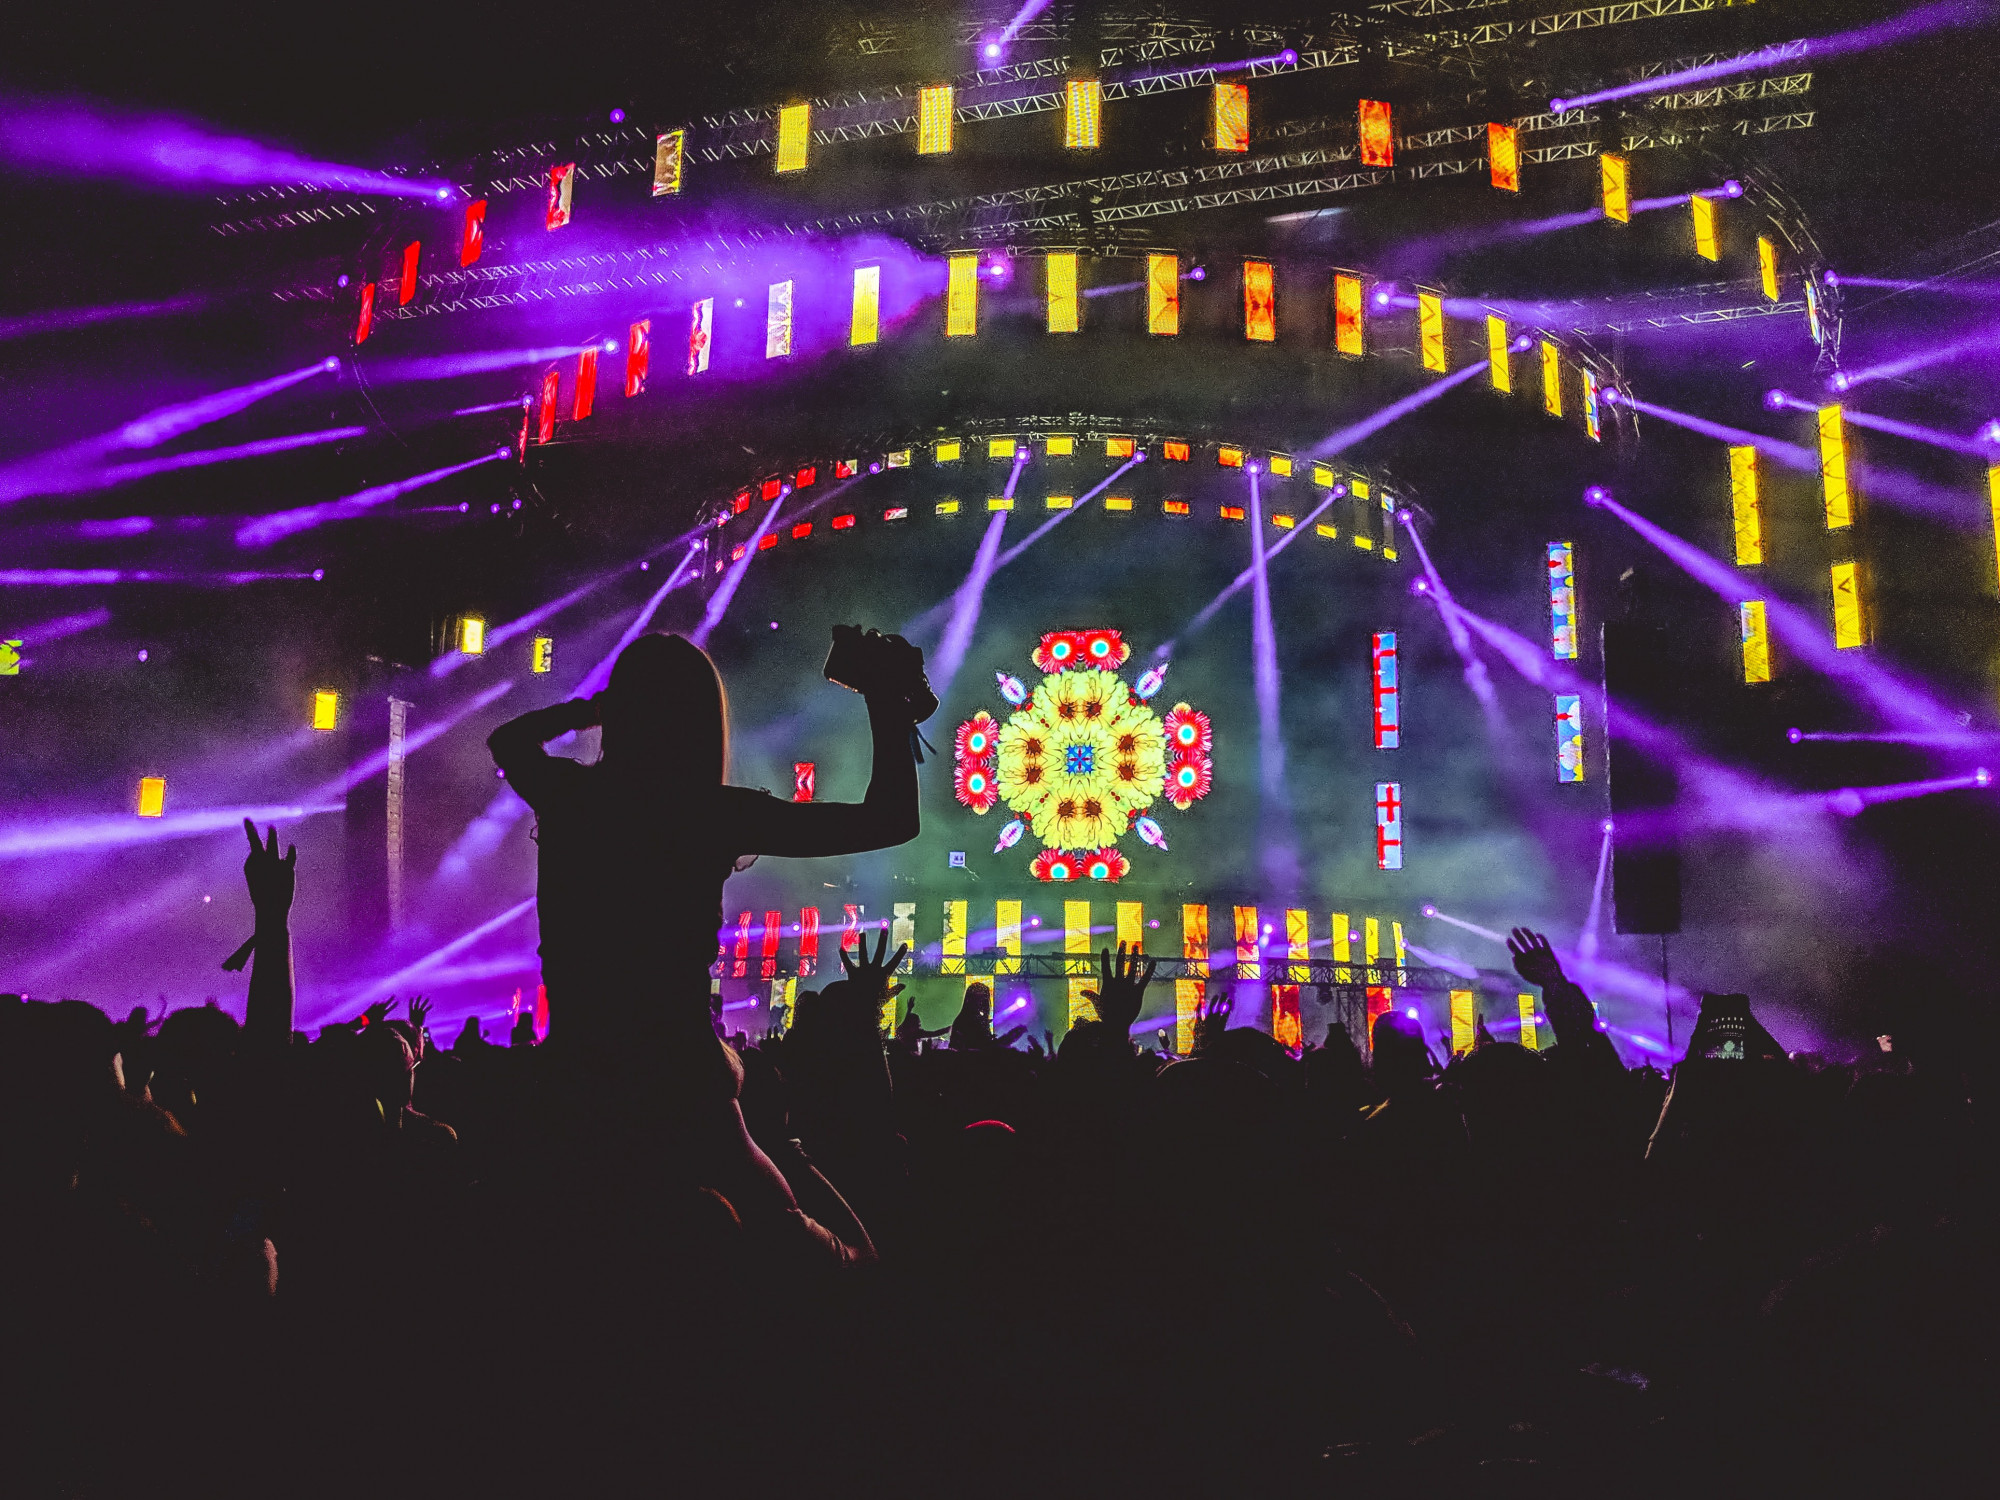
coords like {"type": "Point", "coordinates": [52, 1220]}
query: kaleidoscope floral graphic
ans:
{"type": "Point", "coordinates": [1081, 758]}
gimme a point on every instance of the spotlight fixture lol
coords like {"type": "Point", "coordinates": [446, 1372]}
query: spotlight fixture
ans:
{"type": "Point", "coordinates": [1420, 586]}
{"type": "Point", "coordinates": [1831, 278]}
{"type": "Point", "coordinates": [992, 51]}
{"type": "Point", "coordinates": [341, 279]}
{"type": "Point", "coordinates": [1732, 189]}
{"type": "Point", "coordinates": [1774, 400]}
{"type": "Point", "coordinates": [319, 574]}
{"type": "Point", "coordinates": [1523, 344]}
{"type": "Point", "coordinates": [1254, 467]}
{"type": "Point", "coordinates": [1288, 57]}
{"type": "Point", "coordinates": [1795, 735]}
{"type": "Point", "coordinates": [444, 195]}
{"type": "Point", "coordinates": [1597, 494]}
{"type": "Point", "coordinates": [1990, 433]}
{"type": "Point", "coordinates": [1199, 273]}
{"type": "Point", "coordinates": [1557, 106]}
{"type": "Point", "coordinates": [1612, 396]}
{"type": "Point", "coordinates": [1430, 911]}
{"type": "Point", "coordinates": [617, 116]}
{"type": "Point", "coordinates": [1140, 456]}
{"type": "Point", "coordinates": [1607, 825]}
{"type": "Point", "coordinates": [1840, 382]}
{"type": "Point", "coordinates": [875, 467]}
{"type": "Point", "coordinates": [1982, 776]}
{"type": "Point", "coordinates": [464, 507]}
{"type": "Point", "coordinates": [1403, 515]}
{"type": "Point", "coordinates": [331, 362]}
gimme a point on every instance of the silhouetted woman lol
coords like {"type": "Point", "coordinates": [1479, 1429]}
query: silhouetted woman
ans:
{"type": "Point", "coordinates": [635, 849]}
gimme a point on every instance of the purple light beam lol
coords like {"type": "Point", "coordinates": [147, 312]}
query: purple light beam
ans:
{"type": "Point", "coordinates": [971, 594]}
{"type": "Point", "coordinates": [595, 679]}
{"type": "Point", "coordinates": [265, 530]}
{"type": "Point", "coordinates": [1369, 425]}
{"type": "Point", "coordinates": [67, 836]}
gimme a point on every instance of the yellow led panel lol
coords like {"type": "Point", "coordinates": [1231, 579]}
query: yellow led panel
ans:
{"type": "Point", "coordinates": [1064, 311]}
{"type": "Point", "coordinates": [1281, 465]}
{"type": "Point", "coordinates": [472, 636]}
{"type": "Point", "coordinates": [1323, 476]}
{"type": "Point", "coordinates": [542, 655]}
{"type": "Point", "coordinates": [1187, 995]}
{"type": "Point", "coordinates": [1746, 506]}
{"type": "Point", "coordinates": [1614, 176]}
{"type": "Point", "coordinates": [1430, 330]}
{"type": "Point", "coordinates": [1756, 641]}
{"type": "Point", "coordinates": [326, 709]}
{"type": "Point", "coordinates": [794, 131]}
{"type": "Point", "coordinates": [934, 112]}
{"type": "Point", "coordinates": [1000, 502]}
{"type": "Point", "coordinates": [1847, 631]}
{"type": "Point", "coordinates": [1500, 363]}
{"type": "Point", "coordinates": [1060, 502]}
{"type": "Point", "coordinates": [1118, 447]}
{"type": "Point", "coordinates": [1767, 266]}
{"type": "Point", "coordinates": [1007, 937]}
{"type": "Point", "coordinates": [946, 508]}
{"type": "Point", "coordinates": [1059, 444]}
{"type": "Point", "coordinates": [1833, 469]}
{"type": "Point", "coordinates": [865, 325]}
{"type": "Point", "coordinates": [1528, 1037]}
{"type": "Point", "coordinates": [961, 298]}
{"type": "Point", "coordinates": [1552, 379]}
{"type": "Point", "coordinates": [1462, 1016]}
{"type": "Point", "coordinates": [1083, 109]}
{"type": "Point", "coordinates": [1117, 502]}
{"type": "Point", "coordinates": [1131, 924]}
{"type": "Point", "coordinates": [947, 451]}
{"type": "Point", "coordinates": [1000, 447]}
{"type": "Point", "coordinates": [152, 796]}
{"type": "Point", "coordinates": [951, 947]}
{"type": "Point", "coordinates": [1347, 337]}
{"type": "Point", "coordinates": [1707, 242]}
{"type": "Point", "coordinates": [1232, 117]}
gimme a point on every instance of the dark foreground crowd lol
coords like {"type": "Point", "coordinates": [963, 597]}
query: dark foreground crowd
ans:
{"type": "Point", "coordinates": [239, 1261]}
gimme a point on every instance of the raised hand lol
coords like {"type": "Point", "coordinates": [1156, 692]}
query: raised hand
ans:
{"type": "Point", "coordinates": [871, 975]}
{"type": "Point", "coordinates": [271, 880]}
{"type": "Point", "coordinates": [377, 1013]}
{"type": "Point", "coordinates": [1534, 960]}
{"type": "Point", "coordinates": [420, 1009]}
{"type": "Point", "coordinates": [1211, 1018]}
{"type": "Point", "coordinates": [1121, 987]}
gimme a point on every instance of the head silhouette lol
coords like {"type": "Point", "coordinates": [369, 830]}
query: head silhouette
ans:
{"type": "Point", "coordinates": [665, 712]}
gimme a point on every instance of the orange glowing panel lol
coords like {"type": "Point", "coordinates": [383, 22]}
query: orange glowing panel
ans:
{"type": "Point", "coordinates": [1232, 117]}
{"type": "Point", "coordinates": [1378, 134]}
{"type": "Point", "coordinates": [1430, 329]}
{"type": "Point", "coordinates": [1174, 507]}
{"type": "Point", "coordinates": [1174, 450]}
{"type": "Point", "coordinates": [473, 244]}
{"type": "Point", "coordinates": [1163, 294]}
{"type": "Point", "coordinates": [152, 796]}
{"type": "Point", "coordinates": [1248, 965]}
{"type": "Point", "coordinates": [1503, 157]}
{"type": "Point", "coordinates": [1616, 180]}
{"type": "Point", "coordinates": [1260, 311]}
{"type": "Point", "coordinates": [1347, 314]}
{"type": "Point", "coordinates": [1194, 940]}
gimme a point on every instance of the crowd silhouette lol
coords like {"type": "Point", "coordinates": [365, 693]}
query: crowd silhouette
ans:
{"type": "Point", "coordinates": [242, 1260]}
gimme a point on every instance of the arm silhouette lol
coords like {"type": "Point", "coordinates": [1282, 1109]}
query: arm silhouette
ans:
{"type": "Point", "coordinates": [517, 745]}
{"type": "Point", "coordinates": [886, 816]}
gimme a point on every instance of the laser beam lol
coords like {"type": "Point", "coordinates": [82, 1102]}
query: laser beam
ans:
{"type": "Point", "coordinates": [1368, 426]}
{"type": "Point", "coordinates": [389, 984]}
{"type": "Point", "coordinates": [971, 594]}
{"type": "Point", "coordinates": [598, 676]}
{"type": "Point", "coordinates": [68, 836]}
{"type": "Point", "coordinates": [265, 530]}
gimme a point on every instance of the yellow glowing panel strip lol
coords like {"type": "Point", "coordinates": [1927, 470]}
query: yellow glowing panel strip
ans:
{"type": "Point", "coordinates": [1083, 109]}
{"type": "Point", "coordinates": [1163, 294]}
{"type": "Point", "coordinates": [1747, 506]}
{"type": "Point", "coordinates": [1232, 117]}
{"type": "Point", "coordinates": [1993, 504]}
{"type": "Point", "coordinates": [1528, 1037]}
{"type": "Point", "coordinates": [1281, 465]}
{"type": "Point", "coordinates": [1247, 965]}
{"type": "Point", "coordinates": [1260, 308]}
{"type": "Point", "coordinates": [1756, 641]}
{"type": "Point", "coordinates": [1500, 362]}
{"type": "Point", "coordinates": [1298, 942]}
{"type": "Point", "coordinates": [1080, 1007]}
{"type": "Point", "coordinates": [1076, 936]}
{"type": "Point", "coordinates": [1833, 469]}
{"type": "Point", "coordinates": [1059, 502]}
{"type": "Point", "coordinates": [794, 130]}
{"type": "Point", "coordinates": [472, 636]}
{"type": "Point", "coordinates": [865, 327]}
{"type": "Point", "coordinates": [961, 298]}
{"type": "Point", "coordinates": [945, 508]}
{"type": "Point", "coordinates": [152, 796]}
{"type": "Point", "coordinates": [1323, 476]}
{"type": "Point", "coordinates": [1767, 266]}
{"type": "Point", "coordinates": [1131, 924]}
{"type": "Point", "coordinates": [1552, 379]}
{"type": "Point", "coordinates": [1347, 337]}
{"type": "Point", "coordinates": [951, 949]}
{"type": "Point", "coordinates": [1430, 330]}
{"type": "Point", "coordinates": [1371, 941]}
{"type": "Point", "coordinates": [1007, 937]}
{"type": "Point", "coordinates": [1503, 157]}
{"type": "Point", "coordinates": [1615, 177]}
{"type": "Point", "coordinates": [1000, 447]}
{"type": "Point", "coordinates": [1402, 953]}
{"type": "Point", "coordinates": [1059, 444]}
{"type": "Point", "coordinates": [947, 451]}
{"type": "Point", "coordinates": [1462, 1033]}
{"type": "Point", "coordinates": [1117, 502]}
{"type": "Point", "coordinates": [1847, 606]}
{"type": "Point", "coordinates": [1343, 944]}
{"type": "Point", "coordinates": [1194, 939]}
{"type": "Point", "coordinates": [326, 708]}
{"type": "Point", "coordinates": [1064, 310]}
{"type": "Point", "coordinates": [1000, 502]}
{"type": "Point", "coordinates": [1187, 995]}
{"type": "Point", "coordinates": [669, 151]}
{"type": "Point", "coordinates": [1707, 243]}
{"type": "Point", "coordinates": [934, 110]}
{"type": "Point", "coordinates": [542, 655]}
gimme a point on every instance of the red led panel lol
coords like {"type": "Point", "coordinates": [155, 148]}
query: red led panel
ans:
{"type": "Point", "coordinates": [1174, 452]}
{"type": "Point", "coordinates": [1232, 512]}
{"type": "Point", "coordinates": [1175, 507]}
{"type": "Point", "coordinates": [741, 966]}
{"type": "Point", "coordinates": [769, 489]}
{"type": "Point", "coordinates": [551, 383]}
{"type": "Point", "coordinates": [808, 940]}
{"type": "Point", "coordinates": [774, 924]}
{"type": "Point", "coordinates": [740, 504]}
{"type": "Point", "coordinates": [803, 773]}
{"type": "Point", "coordinates": [365, 324]}
{"type": "Point", "coordinates": [1260, 308]}
{"type": "Point", "coordinates": [561, 180]}
{"type": "Point", "coordinates": [846, 468]}
{"type": "Point", "coordinates": [1378, 135]}
{"type": "Point", "coordinates": [585, 397]}
{"type": "Point", "coordinates": [843, 523]}
{"type": "Point", "coordinates": [850, 928]}
{"type": "Point", "coordinates": [801, 531]}
{"type": "Point", "coordinates": [473, 244]}
{"type": "Point", "coordinates": [407, 287]}
{"type": "Point", "coordinates": [767, 543]}
{"type": "Point", "coordinates": [638, 356]}
{"type": "Point", "coordinates": [896, 513]}
{"type": "Point", "coordinates": [736, 553]}
{"type": "Point", "coordinates": [807, 476]}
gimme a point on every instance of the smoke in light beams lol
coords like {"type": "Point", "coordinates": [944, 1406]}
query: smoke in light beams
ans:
{"type": "Point", "coordinates": [263, 531]}
{"type": "Point", "coordinates": [971, 594]}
